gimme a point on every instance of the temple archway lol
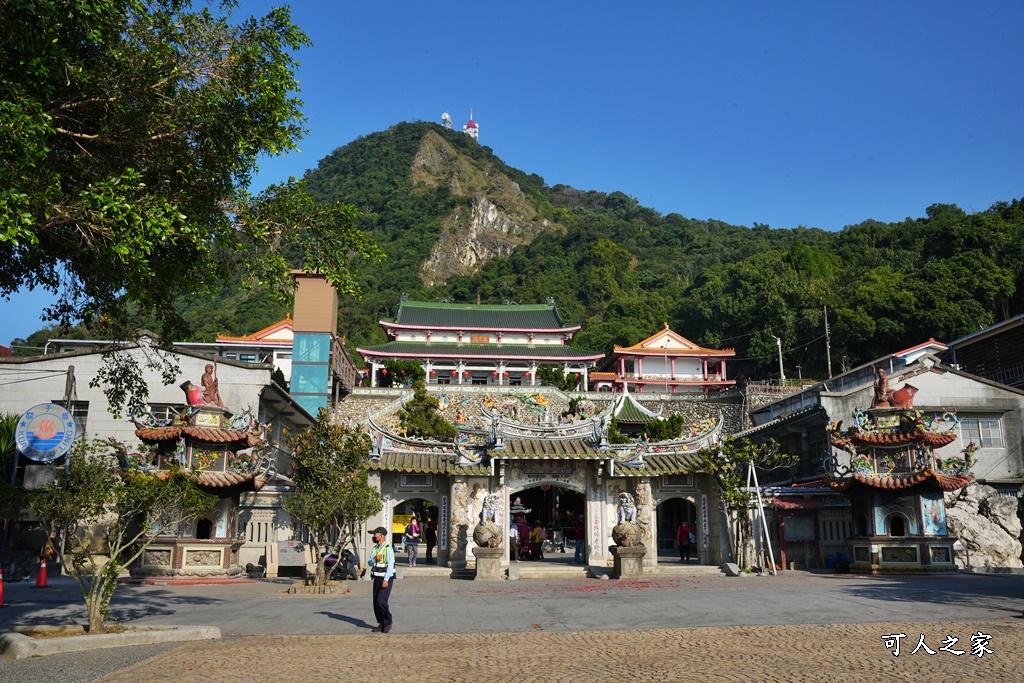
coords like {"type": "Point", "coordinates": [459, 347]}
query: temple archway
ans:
{"type": "Point", "coordinates": [425, 512]}
{"type": "Point", "coordinates": [671, 512]}
{"type": "Point", "coordinates": [556, 507]}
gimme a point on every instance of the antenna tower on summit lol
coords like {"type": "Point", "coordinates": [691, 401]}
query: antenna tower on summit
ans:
{"type": "Point", "coordinates": [471, 128]}
{"type": "Point", "coordinates": [446, 120]}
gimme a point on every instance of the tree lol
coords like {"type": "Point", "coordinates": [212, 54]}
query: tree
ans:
{"type": "Point", "coordinates": [137, 128]}
{"type": "Point", "coordinates": [422, 418]}
{"type": "Point", "coordinates": [728, 463]}
{"type": "Point", "coordinates": [555, 376]}
{"type": "Point", "coordinates": [405, 371]}
{"type": "Point", "coordinates": [11, 497]}
{"type": "Point", "coordinates": [332, 494]}
{"type": "Point", "coordinates": [133, 130]}
{"type": "Point", "coordinates": [109, 517]}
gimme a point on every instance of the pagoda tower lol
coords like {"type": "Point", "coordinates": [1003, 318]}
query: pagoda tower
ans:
{"type": "Point", "coordinates": [896, 482]}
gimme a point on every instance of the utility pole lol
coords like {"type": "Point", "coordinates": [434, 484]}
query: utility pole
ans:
{"type": "Point", "coordinates": [782, 371]}
{"type": "Point", "coordinates": [828, 345]}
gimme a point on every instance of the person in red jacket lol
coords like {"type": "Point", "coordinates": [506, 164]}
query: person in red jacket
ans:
{"type": "Point", "coordinates": [683, 538]}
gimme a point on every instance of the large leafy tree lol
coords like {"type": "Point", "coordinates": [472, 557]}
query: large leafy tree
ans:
{"type": "Point", "coordinates": [110, 516]}
{"type": "Point", "coordinates": [131, 129]}
{"type": "Point", "coordinates": [332, 493]}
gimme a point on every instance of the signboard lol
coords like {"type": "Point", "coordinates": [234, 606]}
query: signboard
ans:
{"type": "Point", "coordinates": [399, 522]}
{"type": "Point", "coordinates": [45, 432]}
{"type": "Point", "coordinates": [442, 522]}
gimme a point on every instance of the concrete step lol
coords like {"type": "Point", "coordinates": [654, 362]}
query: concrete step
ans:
{"type": "Point", "coordinates": [679, 569]}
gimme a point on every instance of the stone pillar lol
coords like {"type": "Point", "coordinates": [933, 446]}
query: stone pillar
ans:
{"type": "Point", "coordinates": [648, 523]}
{"type": "Point", "coordinates": [488, 563]}
{"type": "Point", "coordinates": [597, 534]}
{"type": "Point", "coordinates": [459, 524]}
{"type": "Point", "coordinates": [628, 562]}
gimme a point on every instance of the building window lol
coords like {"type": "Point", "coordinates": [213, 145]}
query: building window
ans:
{"type": "Point", "coordinates": [247, 357]}
{"type": "Point", "coordinates": [232, 356]}
{"type": "Point", "coordinates": [80, 411]}
{"type": "Point", "coordinates": [984, 432]}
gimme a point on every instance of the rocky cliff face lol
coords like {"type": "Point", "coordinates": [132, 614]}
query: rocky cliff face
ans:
{"type": "Point", "coordinates": [987, 524]}
{"type": "Point", "coordinates": [492, 218]}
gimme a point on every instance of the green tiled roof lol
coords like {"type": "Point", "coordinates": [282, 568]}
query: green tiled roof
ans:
{"type": "Point", "coordinates": [677, 463]}
{"type": "Point", "coordinates": [435, 349]}
{"type": "Point", "coordinates": [425, 463]}
{"type": "Point", "coordinates": [633, 413]}
{"type": "Point", "coordinates": [479, 316]}
{"type": "Point", "coordinates": [570, 449]}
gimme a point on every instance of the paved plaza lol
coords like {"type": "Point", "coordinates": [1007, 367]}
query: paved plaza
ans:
{"type": "Point", "coordinates": [798, 626]}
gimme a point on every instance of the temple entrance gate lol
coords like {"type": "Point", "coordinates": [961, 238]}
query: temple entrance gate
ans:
{"type": "Point", "coordinates": [670, 514]}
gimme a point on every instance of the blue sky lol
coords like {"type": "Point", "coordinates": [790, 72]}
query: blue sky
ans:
{"type": "Point", "coordinates": [788, 113]}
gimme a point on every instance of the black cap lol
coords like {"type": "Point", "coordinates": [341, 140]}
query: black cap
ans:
{"type": "Point", "coordinates": [379, 530]}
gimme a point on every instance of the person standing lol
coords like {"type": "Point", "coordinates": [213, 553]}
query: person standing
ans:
{"type": "Point", "coordinates": [382, 570]}
{"type": "Point", "coordinates": [537, 536]}
{"type": "Point", "coordinates": [513, 541]}
{"type": "Point", "coordinates": [430, 535]}
{"type": "Point", "coordinates": [581, 530]}
{"type": "Point", "coordinates": [683, 537]}
{"type": "Point", "coordinates": [412, 540]}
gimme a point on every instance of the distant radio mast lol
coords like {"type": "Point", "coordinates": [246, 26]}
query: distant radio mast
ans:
{"type": "Point", "coordinates": [446, 120]}
{"type": "Point", "coordinates": [471, 128]}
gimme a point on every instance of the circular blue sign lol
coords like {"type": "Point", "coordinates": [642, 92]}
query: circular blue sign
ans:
{"type": "Point", "coordinates": [45, 432]}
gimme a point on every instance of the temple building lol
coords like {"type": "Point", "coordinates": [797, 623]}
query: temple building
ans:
{"type": "Point", "coordinates": [667, 363]}
{"type": "Point", "coordinates": [479, 344]}
{"type": "Point", "coordinates": [528, 449]}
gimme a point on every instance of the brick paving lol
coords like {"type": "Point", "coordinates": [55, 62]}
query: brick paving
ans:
{"type": "Point", "coordinates": [825, 652]}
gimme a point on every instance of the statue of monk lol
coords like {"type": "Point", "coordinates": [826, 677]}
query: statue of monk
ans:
{"type": "Point", "coordinates": [883, 396]}
{"type": "Point", "coordinates": [211, 386]}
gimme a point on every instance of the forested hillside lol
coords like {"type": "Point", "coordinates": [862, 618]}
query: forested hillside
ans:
{"type": "Point", "coordinates": [622, 270]}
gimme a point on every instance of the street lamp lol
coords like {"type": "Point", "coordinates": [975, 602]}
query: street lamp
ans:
{"type": "Point", "coordinates": [782, 371]}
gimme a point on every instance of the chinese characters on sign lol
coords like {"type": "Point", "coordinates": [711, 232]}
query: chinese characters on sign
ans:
{"type": "Point", "coordinates": [979, 645]}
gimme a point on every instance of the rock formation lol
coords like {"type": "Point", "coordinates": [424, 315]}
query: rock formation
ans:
{"type": "Point", "coordinates": [987, 524]}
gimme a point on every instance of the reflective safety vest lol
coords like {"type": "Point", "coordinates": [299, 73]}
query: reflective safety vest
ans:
{"type": "Point", "coordinates": [380, 561]}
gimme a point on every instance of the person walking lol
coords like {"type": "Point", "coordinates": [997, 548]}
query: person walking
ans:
{"type": "Point", "coordinates": [683, 536]}
{"type": "Point", "coordinates": [412, 540]}
{"type": "Point", "coordinates": [581, 555]}
{"type": "Point", "coordinates": [430, 536]}
{"type": "Point", "coordinates": [382, 570]}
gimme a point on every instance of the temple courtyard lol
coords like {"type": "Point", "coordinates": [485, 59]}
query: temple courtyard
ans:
{"type": "Point", "coordinates": [795, 626]}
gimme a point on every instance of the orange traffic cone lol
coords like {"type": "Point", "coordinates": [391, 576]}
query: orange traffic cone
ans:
{"type": "Point", "coordinates": [41, 581]}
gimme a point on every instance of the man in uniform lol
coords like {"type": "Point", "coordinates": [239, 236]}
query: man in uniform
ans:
{"type": "Point", "coordinates": [382, 569]}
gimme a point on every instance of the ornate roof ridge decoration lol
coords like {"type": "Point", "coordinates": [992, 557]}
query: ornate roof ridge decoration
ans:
{"type": "Point", "coordinates": [637, 453]}
{"type": "Point", "coordinates": [503, 425]}
{"type": "Point", "coordinates": [906, 480]}
{"type": "Point", "coordinates": [386, 442]}
{"type": "Point", "coordinates": [893, 448]}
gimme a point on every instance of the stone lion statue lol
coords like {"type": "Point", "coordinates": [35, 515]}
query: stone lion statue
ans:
{"type": "Point", "coordinates": [489, 512]}
{"type": "Point", "coordinates": [627, 508]}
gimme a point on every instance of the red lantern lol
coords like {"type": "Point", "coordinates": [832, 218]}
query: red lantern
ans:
{"type": "Point", "coordinates": [454, 373]}
{"type": "Point", "coordinates": [465, 373]}
{"type": "Point", "coordinates": [494, 374]}
{"type": "Point", "coordinates": [504, 374]}
{"type": "Point", "coordinates": [384, 371]}
{"type": "Point", "coordinates": [433, 372]}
